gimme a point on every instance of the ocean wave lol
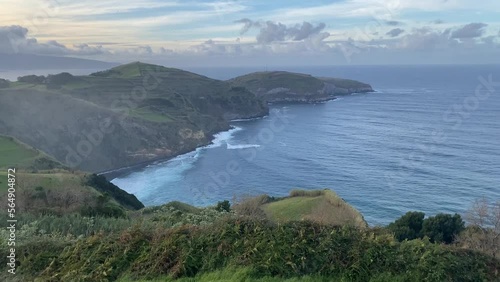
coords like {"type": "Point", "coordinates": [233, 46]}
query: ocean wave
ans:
{"type": "Point", "coordinates": [241, 146]}
{"type": "Point", "coordinates": [222, 137]}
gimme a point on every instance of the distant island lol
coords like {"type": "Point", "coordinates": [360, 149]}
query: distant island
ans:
{"type": "Point", "coordinates": [137, 113]}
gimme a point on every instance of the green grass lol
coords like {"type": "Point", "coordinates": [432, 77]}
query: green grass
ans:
{"type": "Point", "coordinates": [50, 181]}
{"type": "Point", "coordinates": [232, 274]}
{"type": "Point", "coordinates": [301, 83]}
{"type": "Point", "coordinates": [14, 154]}
{"type": "Point", "coordinates": [322, 206]}
{"type": "Point", "coordinates": [296, 208]}
{"type": "Point", "coordinates": [145, 114]}
{"type": "Point", "coordinates": [345, 83]}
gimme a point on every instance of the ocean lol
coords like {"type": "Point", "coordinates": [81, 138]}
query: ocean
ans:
{"type": "Point", "coordinates": [427, 140]}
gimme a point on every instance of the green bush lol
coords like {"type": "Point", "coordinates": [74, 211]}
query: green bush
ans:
{"type": "Point", "coordinates": [288, 250]}
{"type": "Point", "coordinates": [443, 228]}
{"type": "Point", "coordinates": [223, 206]}
{"type": "Point", "coordinates": [101, 184]}
{"type": "Point", "coordinates": [4, 83]}
{"type": "Point", "coordinates": [408, 226]}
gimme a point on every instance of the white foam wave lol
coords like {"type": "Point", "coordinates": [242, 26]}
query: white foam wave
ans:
{"type": "Point", "coordinates": [222, 137]}
{"type": "Point", "coordinates": [242, 146]}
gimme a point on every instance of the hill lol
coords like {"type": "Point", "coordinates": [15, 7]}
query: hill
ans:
{"type": "Point", "coordinates": [124, 116]}
{"type": "Point", "coordinates": [44, 185]}
{"type": "Point", "coordinates": [281, 86]}
{"type": "Point", "coordinates": [322, 206]}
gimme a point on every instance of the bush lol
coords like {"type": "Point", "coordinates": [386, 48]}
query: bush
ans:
{"type": "Point", "coordinates": [223, 206]}
{"type": "Point", "coordinates": [408, 226]}
{"type": "Point", "coordinates": [101, 184]}
{"type": "Point", "coordinates": [4, 83]}
{"type": "Point", "coordinates": [251, 206]}
{"type": "Point", "coordinates": [293, 249]}
{"type": "Point", "coordinates": [443, 228]}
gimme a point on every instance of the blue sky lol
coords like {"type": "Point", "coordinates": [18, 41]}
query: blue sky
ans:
{"type": "Point", "coordinates": [230, 32]}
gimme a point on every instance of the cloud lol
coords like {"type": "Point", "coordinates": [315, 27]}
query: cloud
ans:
{"type": "Point", "coordinates": [425, 39]}
{"type": "Point", "coordinates": [395, 32]}
{"type": "Point", "coordinates": [471, 30]}
{"type": "Point", "coordinates": [393, 23]}
{"type": "Point", "coordinates": [270, 31]}
{"type": "Point", "coordinates": [15, 39]}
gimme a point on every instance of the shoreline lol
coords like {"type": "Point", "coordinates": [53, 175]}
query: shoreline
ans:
{"type": "Point", "coordinates": [127, 170]}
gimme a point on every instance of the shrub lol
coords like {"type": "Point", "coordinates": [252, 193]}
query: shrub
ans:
{"type": "Point", "coordinates": [251, 206]}
{"type": "Point", "coordinates": [4, 83]}
{"type": "Point", "coordinates": [408, 226]}
{"type": "Point", "coordinates": [101, 184]}
{"type": "Point", "coordinates": [443, 228]}
{"type": "Point", "coordinates": [223, 206]}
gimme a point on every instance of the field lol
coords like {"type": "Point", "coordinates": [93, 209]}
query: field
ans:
{"type": "Point", "coordinates": [322, 206]}
{"type": "Point", "coordinates": [145, 114]}
{"type": "Point", "coordinates": [15, 154]}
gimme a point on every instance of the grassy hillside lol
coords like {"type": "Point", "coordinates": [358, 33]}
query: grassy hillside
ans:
{"type": "Point", "coordinates": [45, 186]}
{"type": "Point", "coordinates": [323, 206]}
{"type": "Point", "coordinates": [18, 155]}
{"type": "Point", "coordinates": [281, 86]}
{"type": "Point", "coordinates": [124, 116]}
{"type": "Point", "coordinates": [300, 83]}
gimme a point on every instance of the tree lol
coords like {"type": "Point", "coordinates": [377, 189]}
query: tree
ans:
{"type": "Point", "coordinates": [443, 228]}
{"type": "Point", "coordinates": [223, 206]}
{"type": "Point", "coordinates": [483, 230]}
{"type": "Point", "coordinates": [4, 83]}
{"type": "Point", "coordinates": [408, 226]}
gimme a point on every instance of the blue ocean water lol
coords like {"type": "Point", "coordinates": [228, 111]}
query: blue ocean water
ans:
{"type": "Point", "coordinates": [427, 140]}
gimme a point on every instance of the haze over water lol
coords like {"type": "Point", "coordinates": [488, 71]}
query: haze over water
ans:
{"type": "Point", "coordinates": [425, 141]}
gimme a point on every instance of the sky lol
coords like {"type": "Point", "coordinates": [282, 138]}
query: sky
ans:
{"type": "Point", "coordinates": [239, 32]}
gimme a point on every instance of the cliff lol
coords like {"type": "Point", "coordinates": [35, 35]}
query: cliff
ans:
{"type": "Point", "coordinates": [127, 115]}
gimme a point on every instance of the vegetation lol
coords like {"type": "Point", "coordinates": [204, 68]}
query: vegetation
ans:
{"type": "Point", "coordinates": [281, 86]}
{"type": "Point", "coordinates": [441, 228]}
{"type": "Point", "coordinates": [323, 206]}
{"type": "Point", "coordinates": [293, 249]}
{"type": "Point", "coordinates": [179, 242]}
{"type": "Point", "coordinates": [101, 184]}
{"type": "Point", "coordinates": [4, 83]}
{"type": "Point", "coordinates": [128, 115]}
{"type": "Point", "coordinates": [32, 79]}
{"type": "Point", "coordinates": [483, 232]}
{"type": "Point", "coordinates": [346, 83]}
{"type": "Point", "coordinates": [21, 156]}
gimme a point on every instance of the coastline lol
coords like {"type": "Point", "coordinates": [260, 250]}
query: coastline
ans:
{"type": "Point", "coordinates": [127, 170]}
{"type": "Point", "coordinates": [220, 135]}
